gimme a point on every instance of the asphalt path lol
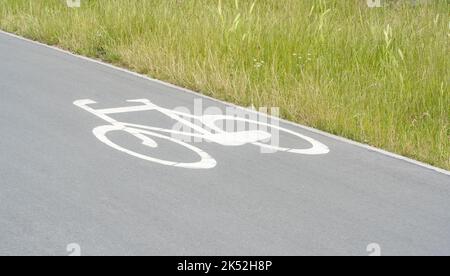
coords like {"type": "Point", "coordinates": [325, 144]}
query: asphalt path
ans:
{"type": "Point", "coordinates": [59, 184]}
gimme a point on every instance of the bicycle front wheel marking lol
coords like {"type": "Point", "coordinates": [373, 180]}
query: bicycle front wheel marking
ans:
{"type": "Point", "coordinates": [206, 161]}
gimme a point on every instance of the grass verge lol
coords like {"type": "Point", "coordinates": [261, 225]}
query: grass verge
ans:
{"type": "Point", "coordinates": [378, 76]}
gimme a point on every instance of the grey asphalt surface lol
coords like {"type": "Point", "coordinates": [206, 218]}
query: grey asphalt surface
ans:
{"type": "Point", "coordinates": [60, 185]}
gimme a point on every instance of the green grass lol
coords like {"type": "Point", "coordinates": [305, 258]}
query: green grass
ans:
{"type": "Point", "coordinates": [379, 76]}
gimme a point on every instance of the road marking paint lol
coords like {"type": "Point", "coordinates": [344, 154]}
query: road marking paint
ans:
{"type": "Point", "coordinates": [221, 137]}
{"type": "Point", "coordinates": [185, 90]}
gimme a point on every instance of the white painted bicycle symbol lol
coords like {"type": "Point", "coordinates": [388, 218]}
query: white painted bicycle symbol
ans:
{"type": "Point", "coordinates": [208, 130]}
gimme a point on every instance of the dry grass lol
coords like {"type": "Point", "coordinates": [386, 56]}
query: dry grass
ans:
{"type": "Point", "coordinates": [379, 76]}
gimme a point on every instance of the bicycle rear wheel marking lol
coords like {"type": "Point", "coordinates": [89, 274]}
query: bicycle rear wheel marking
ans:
{"type": "Point", "coordinates": [316, 149]}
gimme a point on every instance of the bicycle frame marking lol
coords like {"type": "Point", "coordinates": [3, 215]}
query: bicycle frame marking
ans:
{"type": "Point", "coordinates": [221, 137]}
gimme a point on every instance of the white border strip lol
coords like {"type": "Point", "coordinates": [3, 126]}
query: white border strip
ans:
{"type": "Point", "coordinates": [341, 139]}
